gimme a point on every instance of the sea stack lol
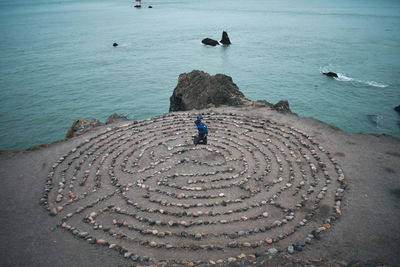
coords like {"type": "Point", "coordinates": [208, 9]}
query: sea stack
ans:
{"type": "Point", "coordinates": [138, 3]}
{"type": "Point", "coordinates": [225, 39]}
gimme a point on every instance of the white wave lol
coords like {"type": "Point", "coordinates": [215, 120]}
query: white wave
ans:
{"type": "Point", "coordinates": [376, 84]}
{"type": "Point", "coordinates": [343, 78]}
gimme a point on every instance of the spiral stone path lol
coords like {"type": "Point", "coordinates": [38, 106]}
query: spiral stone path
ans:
{"type": "Point", "coordinates": [144, 190]}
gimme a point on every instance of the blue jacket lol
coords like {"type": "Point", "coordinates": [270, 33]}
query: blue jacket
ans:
{"type": "Point", "coordinates": [201, 126]}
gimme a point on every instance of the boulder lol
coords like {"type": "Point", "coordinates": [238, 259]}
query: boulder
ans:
{"type": "Point", "coordinates": [82, 126]}
{"type": "Point", "coordinates": [115, 118]}
{"type": "Point", "coordinates": [282, 106]}
{"type": "Point", "coordinates": [225, 39]}
{"type": "Point", "coordinates": [209, 41]}
{"type": "Point", "coordinates": [198, 90]}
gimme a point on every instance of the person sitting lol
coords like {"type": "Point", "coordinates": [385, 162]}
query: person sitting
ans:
{"type": "Point", "coordinates": [203, 131]}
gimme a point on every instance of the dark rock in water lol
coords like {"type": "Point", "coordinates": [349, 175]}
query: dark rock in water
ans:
{"type": "Point", "coordinates": [115, 118]}
{"type": "Point", "coordinates": [209, 41]}
{"type": "Point", "coordinates": [282, 106]}
{"type": "Point", "coordinates": [150, 7]}
{"type": "Point", "coordinates": [225, 39]}
{"type": "Point", "coordinates": [115, 44]}
{"type": "Point", "coordinates": [331, 74]}
{"type": "Point", "coordinates": [197, 90]}
{"type": "Point", "coordinates": [82, 126]}
{"type": "Point", "coordinates": [373, 119]}
{"type": "Point", "coordinates": [397, 109]}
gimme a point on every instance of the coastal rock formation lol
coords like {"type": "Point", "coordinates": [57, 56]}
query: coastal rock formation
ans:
{"type": "Point", "coordinates": [115, 118]}
{"type": "Point", "coordinates": [209, 41]}
{"type": "Point", "coordinates": [82, 126]}
{"type": "Point", "coordinates": [282, 106]}
{"type": "Point", "coordinates": [225, 38]}
{"type": "Point", "coordinates": [197, 90]}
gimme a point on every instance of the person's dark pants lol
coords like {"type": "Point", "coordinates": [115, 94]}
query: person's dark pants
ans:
{"type": "Point", "coordinates": [200, 139]}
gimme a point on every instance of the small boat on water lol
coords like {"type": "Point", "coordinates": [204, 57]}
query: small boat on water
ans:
{"type": "Point", "coordinates": [138, 3]}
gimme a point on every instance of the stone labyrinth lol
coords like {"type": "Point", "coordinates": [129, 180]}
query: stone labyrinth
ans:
{"type": "Point", "coordinates": [144, 190]}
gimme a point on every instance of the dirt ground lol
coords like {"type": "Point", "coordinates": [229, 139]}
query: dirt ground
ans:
{"type": "Point", "coordinates": [368, 230]}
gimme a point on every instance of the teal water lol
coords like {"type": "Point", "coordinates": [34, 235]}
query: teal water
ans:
{"type": "Point", "coordinates": [57, 63]}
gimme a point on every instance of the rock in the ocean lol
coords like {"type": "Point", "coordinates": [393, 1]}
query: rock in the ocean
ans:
{"type": "Point", "coordinates": [225, 38]}
{"type": "Point", "coordinates": [197, 90]}
{"type": "Point", "coordinates": [397, 109]}
{"type": "Point", "coordinates": [115, 44]}
{"type": "Point", "coordinates": [82, 126]}
{"type": "Point", "coordinates": [115, 118]}
{"type": "Point", "coordinates": [331, 74]}
{"type": "Point", "coordinates": [209, 41]}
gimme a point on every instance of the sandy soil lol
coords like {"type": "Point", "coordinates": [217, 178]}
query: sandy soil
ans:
{"type": "Point", "coordinates": [367, 230]}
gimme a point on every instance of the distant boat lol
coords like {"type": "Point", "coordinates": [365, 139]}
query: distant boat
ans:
{"type": "Point", "coordinates": [138, 3]}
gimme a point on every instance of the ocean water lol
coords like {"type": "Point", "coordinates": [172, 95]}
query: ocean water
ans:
{"type": "Point", "coordinates": [57, 62]}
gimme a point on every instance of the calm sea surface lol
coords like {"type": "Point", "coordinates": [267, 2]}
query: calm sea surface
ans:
{"type": "Point", "coordinates": [57, 62]}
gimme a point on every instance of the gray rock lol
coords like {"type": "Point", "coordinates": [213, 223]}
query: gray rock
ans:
{"type": "Point", "coordinates": [233, 244]}
{"type": "Point", "coordinates": [53, 212]}
{"type": "Point", "coordinates": [272, 251]}
{"type": "Point", "coordinates": [83, 234]}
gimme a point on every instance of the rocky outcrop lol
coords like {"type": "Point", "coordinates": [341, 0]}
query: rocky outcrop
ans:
{"type": "Point", "coordinates": [113, 118]}
{"type": "Point", "coordinates": [209, 41]}
{"type": "Point", "coordinates": [82, 126]}
{"type": "Point", "coordinates": [198, 90]}
{"type": "Point", "coordinates": [225, 38]}
{"type": "Point", "coordinates": [282, 106]}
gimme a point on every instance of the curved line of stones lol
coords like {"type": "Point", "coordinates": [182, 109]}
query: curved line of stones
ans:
{"type": "Point", "coordinates": [338, 169]}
